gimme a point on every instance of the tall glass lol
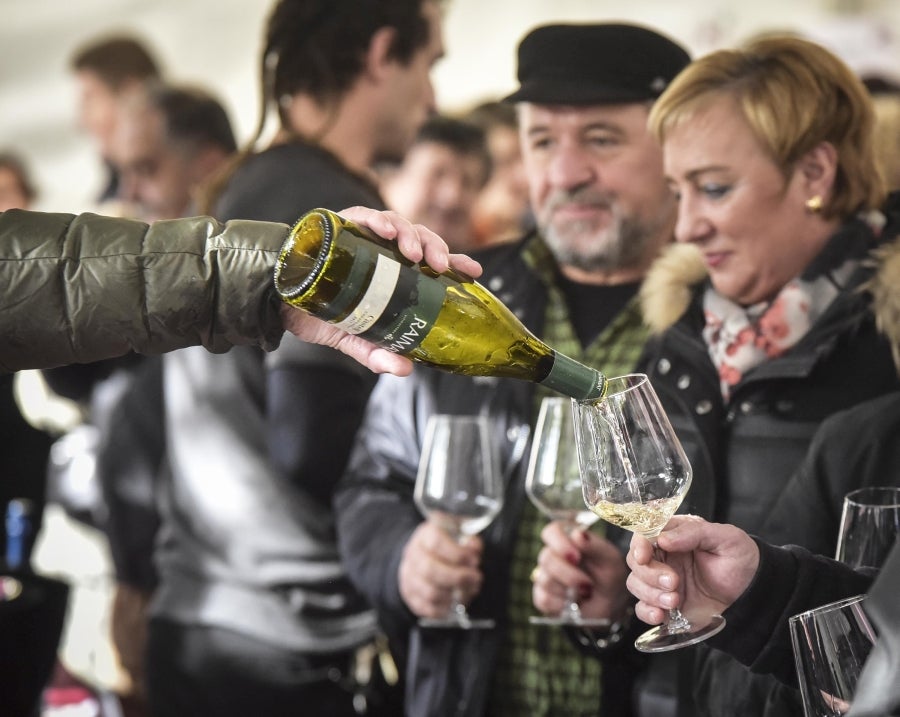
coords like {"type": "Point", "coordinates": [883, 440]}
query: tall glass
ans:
{"type": "Point", "coordinates": [831, 643]}
{"type": "Point", "coordinates": [553, 484]}
{"type": "Point", "coordinates": [458, 487]}
{"type": "Point", "coordinates": [635, 475]}
{"type": "Point", "coordinates": [870, 524]}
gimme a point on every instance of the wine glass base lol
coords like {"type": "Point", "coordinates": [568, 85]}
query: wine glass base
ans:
{"type": "Point", "coordinates": [568, 621]}
{"type": "Point", "coordinates": [471, 623]}
{"type": "Point", "coordinates": [662, 639]}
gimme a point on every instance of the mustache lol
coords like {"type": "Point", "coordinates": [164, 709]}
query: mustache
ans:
{"type": "Point", "coordinates": [581, 195]}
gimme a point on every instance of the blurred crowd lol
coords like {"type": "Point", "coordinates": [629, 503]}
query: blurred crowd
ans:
{"type": "Point", "coordinates": [239, 529]}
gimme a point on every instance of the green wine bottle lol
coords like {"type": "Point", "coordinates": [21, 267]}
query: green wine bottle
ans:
{"type": "Point", "coordinates": [345, 274]}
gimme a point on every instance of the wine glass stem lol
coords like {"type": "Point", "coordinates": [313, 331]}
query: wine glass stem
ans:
{"type": "Point", "coordinates": [457, 609]}
{"type": "Point", "coordinates": [571, 611]}
{"type": "Point", "coordinates": [675, 622]}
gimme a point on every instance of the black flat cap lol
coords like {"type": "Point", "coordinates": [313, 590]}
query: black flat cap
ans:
{"type": "Point", "coordinates": [595, 64]}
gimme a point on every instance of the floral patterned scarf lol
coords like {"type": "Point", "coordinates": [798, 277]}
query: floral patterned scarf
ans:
{"type": "Point", "coordinates": [740, 338]}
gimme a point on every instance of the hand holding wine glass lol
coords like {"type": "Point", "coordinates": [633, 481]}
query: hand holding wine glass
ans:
{"type": "Point", "coordinates": [458, 488]}
{"type": "Point", "coordinates": [635, 475]}
{"type": "Point", "coordinates": [553, 484]}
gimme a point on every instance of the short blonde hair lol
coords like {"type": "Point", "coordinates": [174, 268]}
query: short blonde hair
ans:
{"type": "Point", "coordinates": [794, 94]}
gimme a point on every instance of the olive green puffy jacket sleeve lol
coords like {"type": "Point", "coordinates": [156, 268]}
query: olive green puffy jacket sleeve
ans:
{"type": "Point", "coordinates": [81, 288]}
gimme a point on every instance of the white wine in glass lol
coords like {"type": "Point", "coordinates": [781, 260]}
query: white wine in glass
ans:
{"type": "Point", "coordinates": [635, 475]}
{"type": "Point", "coordinates": [553, 484]}
{"type": "Point", "coordinates": [458, 487]}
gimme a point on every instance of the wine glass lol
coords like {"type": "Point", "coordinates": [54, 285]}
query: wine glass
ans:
{"type": "Point", "coordinates": [458, 487]}
{"type": "Point", "coordinates": [635, 475]}
{"type": "Point", "coordinates": [553, 484]}
{"type": "Point", "coordinates": [831, 644]}
{"type": "Point", "coordinates": [870, 524]}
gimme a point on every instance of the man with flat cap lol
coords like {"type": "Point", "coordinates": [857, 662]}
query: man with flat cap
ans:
{"type": "Point", "coordinates": [603, 211]}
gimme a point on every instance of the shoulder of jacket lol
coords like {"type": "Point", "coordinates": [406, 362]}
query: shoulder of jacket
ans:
{"type": "Point", "coordinates": [666, 291]}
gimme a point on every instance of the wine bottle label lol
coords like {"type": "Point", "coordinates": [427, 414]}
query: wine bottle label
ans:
{"type": "Point", "coordinates": [398, 307]}
{"type": "Point", "coordinates": [375, 299]}
{"type": "Point", "coordinates": [575, 379]}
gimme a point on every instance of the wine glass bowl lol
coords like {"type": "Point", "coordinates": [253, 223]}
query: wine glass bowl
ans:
{"type": "Point", "coordinates": [635, 475]}
{"type": "Point", "coordinates": [870, 524]}
{"type": "Point", "coordinates": [831, 644]}
{"type": "Point", "coordinates": [458, 487]}
{"type": "Point", "coordinates": [553, 484]}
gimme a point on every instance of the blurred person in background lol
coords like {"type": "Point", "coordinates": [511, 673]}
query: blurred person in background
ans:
{"type": "Point", "coordinates": [16, 188]}
{"type": "Point", "coordinates": [106, 70]}
{"type": "Point", "coordinates": [24, 450]}
{"type": "Point", "coordinates": [169, 140]}
{"type": "Point", "coordinates": [439, 179]}
{"type": "Point", "coordinates": [502, 211]}
{"type": "Point", "coordinates": [253, 613]}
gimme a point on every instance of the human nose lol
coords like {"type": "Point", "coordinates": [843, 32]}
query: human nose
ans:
{"type": "Point", "coordinates": [430, 97]}
{"type": "Point", "coordinates": [450, 193]}
{"type": "Point", "coordinates": [569, 169]}
{"type": "Point", "coordinates": [690, 224]}
{"type": "Point", "coordinates": [129, 188]}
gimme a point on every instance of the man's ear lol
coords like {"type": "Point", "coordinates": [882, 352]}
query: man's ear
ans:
{"type": "Point", "coordinates": [818, 168]}
{"type": "Point", "coordinates": [378, 57]}
{"type": "Point", "coordinates": [205, 162]}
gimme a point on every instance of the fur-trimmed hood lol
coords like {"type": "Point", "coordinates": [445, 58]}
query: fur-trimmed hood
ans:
{"type": "Point", "coordinates": [668, 288]}
{"type": "Point", "coordinates": [884, 287]}
{"type": "Point", "coordinates": [666, 291]}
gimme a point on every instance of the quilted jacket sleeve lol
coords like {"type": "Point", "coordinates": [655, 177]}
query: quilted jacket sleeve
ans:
{"type": "Point", "coordinates": [75, 289]}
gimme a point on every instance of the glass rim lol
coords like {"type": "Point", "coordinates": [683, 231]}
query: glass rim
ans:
{"type": "Point", "coordinates": [851, 497]}
{"type": "Point", "coordinates": [827, 607]}
{"type": "Point", "coordinates": [634, 381]}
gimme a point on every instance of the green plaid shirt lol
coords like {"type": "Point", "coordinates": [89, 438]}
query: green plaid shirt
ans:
{"type": "Point", "coordinates": [539, 672]}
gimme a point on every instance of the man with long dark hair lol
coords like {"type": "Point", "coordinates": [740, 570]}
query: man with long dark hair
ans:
{"type": "Point", "coordinates": [253, 613]}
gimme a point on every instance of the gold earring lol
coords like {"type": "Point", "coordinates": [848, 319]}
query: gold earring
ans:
{"type": "Point", "coordinates": [814, 204]}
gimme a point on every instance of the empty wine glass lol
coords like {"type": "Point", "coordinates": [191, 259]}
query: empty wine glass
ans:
{"type": "Point", "coordinates": [870, 524]}
{"type": "Point", "coordinates": [553, 484]}
{"type": "Point", "coordinates": [635, 475]}
{"type": "Point", "coordinates": [458, 487]}
{"type": "Point", "coordinates": [831, 644]}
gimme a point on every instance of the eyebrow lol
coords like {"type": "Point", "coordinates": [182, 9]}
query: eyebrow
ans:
{"type": "Point", "coordinates": [604, 126]}
{"type": "Point", "coordinates": [694, 173]}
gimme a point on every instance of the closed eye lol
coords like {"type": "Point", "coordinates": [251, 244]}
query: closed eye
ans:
{"type": "Point", "coordinates": [714, 190]}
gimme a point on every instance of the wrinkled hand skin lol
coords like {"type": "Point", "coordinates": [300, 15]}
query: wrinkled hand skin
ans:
{"type": "Point", "coordinates": [707, 567]}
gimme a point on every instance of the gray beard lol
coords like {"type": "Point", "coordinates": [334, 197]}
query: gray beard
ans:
{"type": "Point", "coordinates": [623, 245]}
